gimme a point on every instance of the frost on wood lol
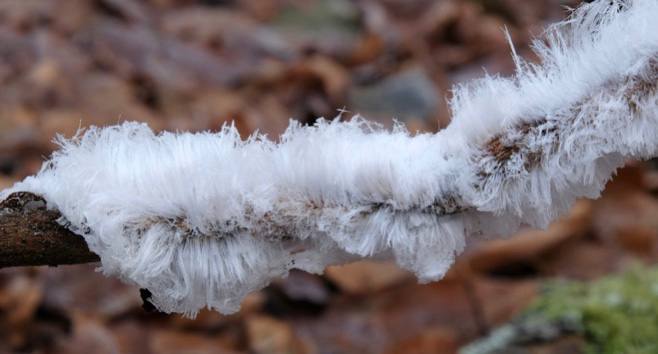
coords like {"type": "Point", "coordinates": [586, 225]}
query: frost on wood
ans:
{"type": "Point", "coordinates": [203, 219]}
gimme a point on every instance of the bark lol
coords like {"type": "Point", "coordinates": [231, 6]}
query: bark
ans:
{"type": "Point", "coordinates": [30, 235]}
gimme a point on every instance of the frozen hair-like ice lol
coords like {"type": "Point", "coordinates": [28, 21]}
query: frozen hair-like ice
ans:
{"type": "Point", "coordinates": [202, 219]}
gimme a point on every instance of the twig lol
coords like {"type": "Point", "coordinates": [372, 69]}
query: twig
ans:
{"type": "Point", "coordinates": [30, 235]}
{"type": "Point", "coordinates": [201, 220]}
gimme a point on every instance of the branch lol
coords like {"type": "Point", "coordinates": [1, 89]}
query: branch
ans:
{"type": "Point", "coordinates": [31, 236]}
{"type": "Point", "coordinates": [201, 220]}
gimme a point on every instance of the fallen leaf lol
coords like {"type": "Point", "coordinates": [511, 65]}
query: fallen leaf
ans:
{"type": "Point", "coordinates": [366, 276]}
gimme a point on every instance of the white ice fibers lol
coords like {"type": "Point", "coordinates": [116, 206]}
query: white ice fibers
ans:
{"type": "Point", "coordinates": [203, 219]}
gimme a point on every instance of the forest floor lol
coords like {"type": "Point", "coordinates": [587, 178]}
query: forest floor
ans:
{"type": "Point", "coordinates": [195, 65]}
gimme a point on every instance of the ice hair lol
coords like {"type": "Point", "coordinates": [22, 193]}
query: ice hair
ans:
{"type": "Point", "coordinates": [203, 219]}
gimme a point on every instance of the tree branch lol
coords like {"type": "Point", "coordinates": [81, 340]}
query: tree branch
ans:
{"type": "Point", "coordinates": [203, 219]}
{"type": "Point", "coordinates": [31, 236]}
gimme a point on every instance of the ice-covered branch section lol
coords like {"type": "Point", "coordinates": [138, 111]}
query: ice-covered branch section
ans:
{"type": "Point", "coordinates": [203, 219]}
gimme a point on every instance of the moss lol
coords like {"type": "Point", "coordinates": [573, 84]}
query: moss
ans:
{"type": "Point", "coordinates": [617, 314]}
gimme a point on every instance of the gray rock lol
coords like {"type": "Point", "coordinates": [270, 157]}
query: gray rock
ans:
{"type": "Point", "coordinates": [407, 95]}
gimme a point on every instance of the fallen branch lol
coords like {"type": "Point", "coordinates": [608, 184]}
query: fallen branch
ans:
{"type": "Point", "coordinates": [30, 235]}
{"type": "Point", "coordinates": [203, 219]}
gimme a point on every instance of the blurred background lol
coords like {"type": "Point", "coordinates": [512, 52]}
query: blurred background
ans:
{"type": "Point", "coordinates": [196, 64]}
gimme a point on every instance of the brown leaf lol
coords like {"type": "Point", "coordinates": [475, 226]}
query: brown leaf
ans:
{"type": "Point", "coordinates": [270, 336]}
{"type": "Point", "coordinates": [500, 299]}
{"type": "Point", "coordinates": [20, 295]}
{"type": "Point", "coordinates": [626, 214]}
{"type": "Point", "coordinates": [89, 336]}
{"type": "Point", "coordinates": [79, 288]}
{"type": "Point", "coordinates": [530, 244]}
{"type": "Point", "coordinates": [366, 276]}
{"type": "Point", "coordinates": [428, 341]}
{"type": "Point", "coordinates": [175, 342]}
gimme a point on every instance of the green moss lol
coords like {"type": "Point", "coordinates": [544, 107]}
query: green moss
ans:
{"type": "Point", "coordinates": [617, 314]}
